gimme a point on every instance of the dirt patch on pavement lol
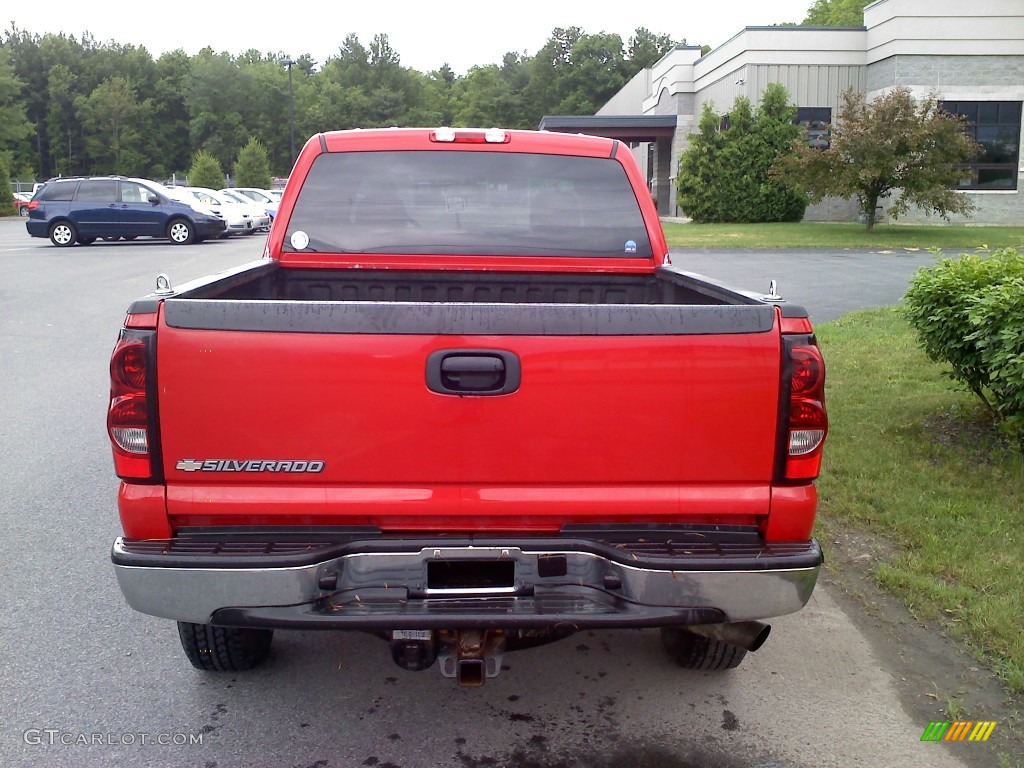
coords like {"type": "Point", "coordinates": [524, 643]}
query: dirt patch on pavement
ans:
{"type": "Point", "coordinates": [936, 677]}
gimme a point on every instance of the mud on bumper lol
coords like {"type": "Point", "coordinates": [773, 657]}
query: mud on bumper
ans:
{"type": "Point", "coordinates": [362, 579]}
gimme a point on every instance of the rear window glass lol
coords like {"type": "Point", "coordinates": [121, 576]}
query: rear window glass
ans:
{"type": "Point", "coordinates": [467, 203]}
{"type": "Point", "coordinates": [63, 190]}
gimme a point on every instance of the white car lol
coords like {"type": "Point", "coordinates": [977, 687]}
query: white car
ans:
{"type": "Point", "coordinates": [258, 196]}
{"type": "Point", "coordinates": [242, 218]}
{"type": "Point", "coordinates": [183, 195]}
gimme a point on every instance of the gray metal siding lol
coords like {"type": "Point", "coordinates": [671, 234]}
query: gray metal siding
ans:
{"type": "Point", "coordinates": [808, 85]}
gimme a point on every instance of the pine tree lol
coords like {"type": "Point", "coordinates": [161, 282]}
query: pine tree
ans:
{"type": "Point", "coordinates": [252, 169]}
{"type": "Point", "coordinates": [205, 171]}
{"type": "Point", "coordinates": [724, 175]}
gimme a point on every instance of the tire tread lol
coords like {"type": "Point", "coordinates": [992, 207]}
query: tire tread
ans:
{"type": "Point", "coordinates": [692, 651]}
{"type": "Point", "coordinates": [224, 649]}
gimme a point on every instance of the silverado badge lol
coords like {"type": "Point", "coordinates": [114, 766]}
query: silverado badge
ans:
{"type": "Point", "coordinates": [249, 465]}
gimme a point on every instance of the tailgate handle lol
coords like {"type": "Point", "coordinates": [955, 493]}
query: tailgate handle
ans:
{"type": "Point", "coordinates": [473, 372]}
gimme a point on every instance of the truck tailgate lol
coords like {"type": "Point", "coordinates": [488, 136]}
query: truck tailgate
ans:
{"type": "Point", "coordinates": [342, 428]}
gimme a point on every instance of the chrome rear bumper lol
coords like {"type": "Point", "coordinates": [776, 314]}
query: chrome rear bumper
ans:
{"type": "Point", "coordinates": [520, 582]}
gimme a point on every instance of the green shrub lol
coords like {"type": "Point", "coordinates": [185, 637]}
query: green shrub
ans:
{"type": "Point", "coordinates": [206, 171]}
{"type": "Point", "coordinates": [969, 314]}
{"type": "Point", "coordinates": [724, 175]}
{"type": "Point", "coordinates": [252, 169]}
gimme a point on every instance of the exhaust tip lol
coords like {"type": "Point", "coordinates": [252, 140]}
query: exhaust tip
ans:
{"type": "Point", "coordinates": [758, 634]}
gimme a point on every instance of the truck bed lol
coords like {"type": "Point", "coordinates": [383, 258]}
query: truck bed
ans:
{"type": "Point", "coordinates": [666, 286]}
{"type": "Point", "coordinates": [265, 296]}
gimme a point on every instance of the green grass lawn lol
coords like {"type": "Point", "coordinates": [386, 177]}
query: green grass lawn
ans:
{"type": "Point", "coordinates": [908, 459]}
{"type": "Point", "coordinates": [840, 235]}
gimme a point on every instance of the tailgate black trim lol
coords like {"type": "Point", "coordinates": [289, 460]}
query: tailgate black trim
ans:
{"type": "Point", "coordinates": [661, 548]}
{"type": "Point", "coordinates": [465, 318]}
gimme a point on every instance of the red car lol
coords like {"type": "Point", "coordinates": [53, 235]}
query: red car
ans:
{"type": "Point", "coordinates": [21, 202]}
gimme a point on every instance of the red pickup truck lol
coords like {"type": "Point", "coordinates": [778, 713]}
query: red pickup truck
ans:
{"type": "Point", "coordinates": [465, 402]}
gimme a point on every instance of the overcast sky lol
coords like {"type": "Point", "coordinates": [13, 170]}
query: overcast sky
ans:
{"type": "Point", "coordinates": [425, 34]}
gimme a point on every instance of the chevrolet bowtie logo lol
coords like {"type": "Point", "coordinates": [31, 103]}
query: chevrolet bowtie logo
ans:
{"type": "Point", "coordinates": [189, 465]}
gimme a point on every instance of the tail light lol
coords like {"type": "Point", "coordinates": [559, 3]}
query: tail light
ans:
{"type": "Point", "coordinates": [131, 418]}
{"type": "Point", "coordinates": [807, 421]}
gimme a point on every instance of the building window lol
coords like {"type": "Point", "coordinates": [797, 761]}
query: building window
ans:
{"type": "Point", "coordinates": [816, 122]}
{"type": "Point", "coordinates": [996, 126]}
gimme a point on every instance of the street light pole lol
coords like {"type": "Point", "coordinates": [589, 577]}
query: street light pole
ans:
{"type": "Point", "coordinates": [291, 99]}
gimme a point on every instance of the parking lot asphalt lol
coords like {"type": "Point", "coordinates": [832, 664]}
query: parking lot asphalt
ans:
{"type": "Point", "coordinates": [827, 282]}
{"type": "Point", "coordinates": [88, 682]}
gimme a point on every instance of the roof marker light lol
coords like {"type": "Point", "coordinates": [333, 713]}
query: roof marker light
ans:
{"type": "Point", "coordinates": [443, 134]}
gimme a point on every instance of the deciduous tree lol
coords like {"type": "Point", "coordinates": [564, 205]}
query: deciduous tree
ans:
{"type": "Point", "coordinates": [215, 101]}
{"type": "Point", "coordinates": [645, 48]}
{"type": "Point", "coordinates": [493, 96]}
{"type": "Point", "coordinates": [894, 147]}
{"type": "Point", "coordinates": [168, 136]}
{"type": "Point", "coordinates": [14, 125]}
{"type": "Point", "coordinates": [110, 117]}
{"type": "Point", "coordinates": [218, 100]}
{"type": "Point", "coordinates": [6, 198]}
{"type": "Point", "coordinates": [836, 13]}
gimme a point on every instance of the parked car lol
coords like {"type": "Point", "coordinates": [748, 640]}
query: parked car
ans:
{"type": "Point", "coordinates": [260, 197]}
{"type": "Point", "coordinates": [241, 217]}
{"type": "Point", "coordinates": [254, 193]}
{"type": "Point", "coordinates": [81, 209]}
{"type": "Point", "coordinates": [21, 200]}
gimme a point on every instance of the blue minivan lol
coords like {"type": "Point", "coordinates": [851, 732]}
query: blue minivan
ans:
{"type": "Point", "coordinates": [83, 209]}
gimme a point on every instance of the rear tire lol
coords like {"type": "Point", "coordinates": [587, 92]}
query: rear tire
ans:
{"type": "Point", "coordinates": [224, 649]}
{"type": "Point", "coordinates": [63, 234]}
{"type": "Point", "coordinates": [692, 651]}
